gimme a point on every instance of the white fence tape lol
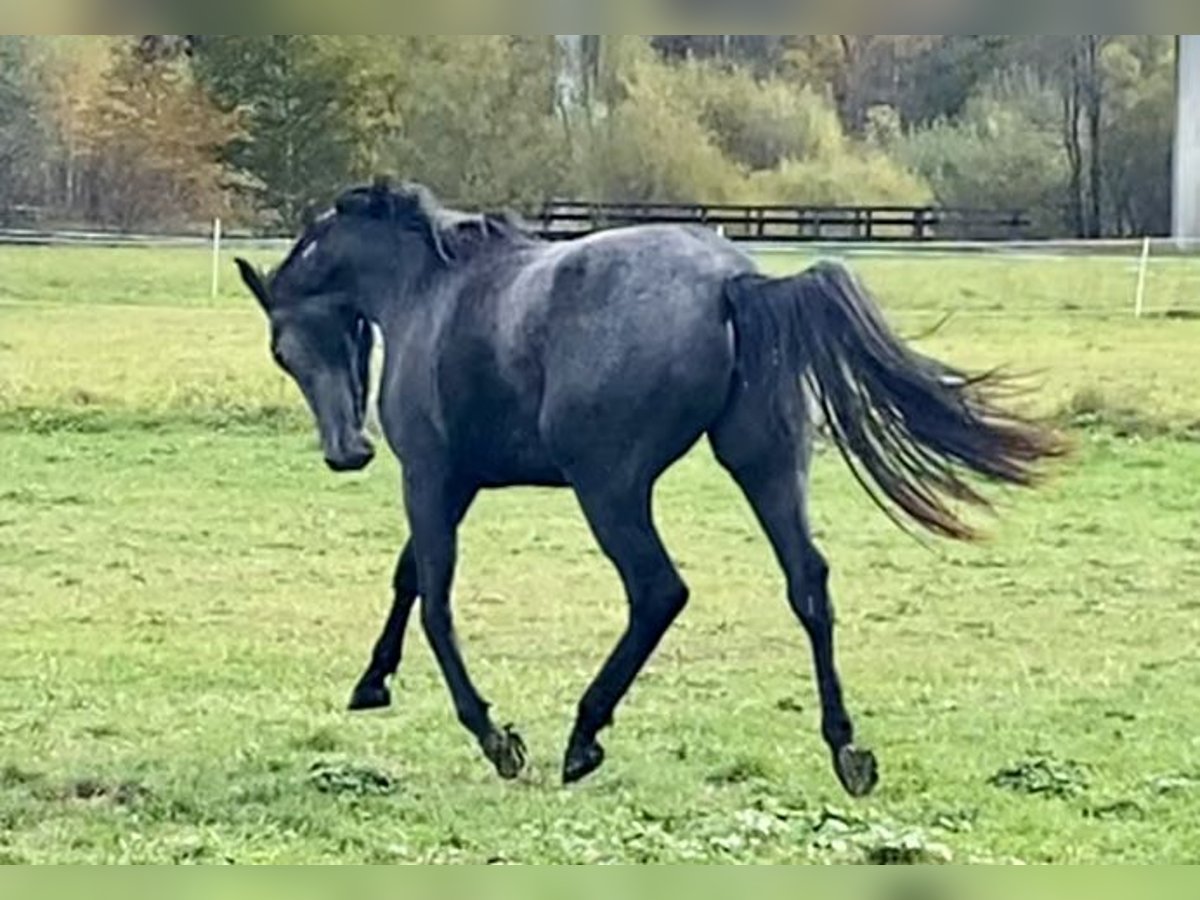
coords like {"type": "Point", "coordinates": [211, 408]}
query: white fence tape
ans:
{"type": "Point", "coordinates": [1139, 257]}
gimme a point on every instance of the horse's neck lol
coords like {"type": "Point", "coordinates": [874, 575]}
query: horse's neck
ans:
{"type": "Point", "coordinates": [392, 311]}
{"type": "Point", "coordinates": [437, 284]}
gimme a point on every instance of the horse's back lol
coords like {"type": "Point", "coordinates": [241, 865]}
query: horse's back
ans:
{"type": "Point", "coordinates": [608, 352]}
{"type": "Point", "coordinates": [637, 352]}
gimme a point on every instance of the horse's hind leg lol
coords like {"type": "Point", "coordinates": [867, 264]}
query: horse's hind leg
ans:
{"type": "Point", "coordinates": [371, 692]}
{"type": "Point", "coordinates": [772, 473]}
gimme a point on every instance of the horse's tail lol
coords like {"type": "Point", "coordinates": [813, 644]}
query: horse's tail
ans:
{"type": "Point", "coordinates": [908, 426]}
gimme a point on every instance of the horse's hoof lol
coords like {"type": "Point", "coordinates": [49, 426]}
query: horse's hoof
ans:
{"type": "Point", "coordinates": [857, 770]}
{"type": "Point", "coordinates": [506, 750]}
{"type": "Point", "coordinates": [370, 695]}
{"type": "Point", "coordinates": [581, 761]}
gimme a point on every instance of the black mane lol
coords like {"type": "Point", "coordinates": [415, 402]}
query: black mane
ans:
{"type": "Point", "coordinates": [452, 236]}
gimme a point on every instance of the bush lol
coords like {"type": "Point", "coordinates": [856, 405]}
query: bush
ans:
{"type": "Point", "coordinates": [697, 132]}
{"type": "Point", "coordinates": [858, 176]}
{"type": "Point", "coordinates": [1005, 153]}
{"type": "Point", "coordinates": [759, 124]}
{"type": "Point", "coordinates": [651, 146]}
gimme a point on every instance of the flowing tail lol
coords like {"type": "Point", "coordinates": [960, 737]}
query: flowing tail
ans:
{"type": "Point", "coordinates": [910, 428]}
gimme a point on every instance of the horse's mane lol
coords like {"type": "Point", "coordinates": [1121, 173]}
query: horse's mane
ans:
{"type": "Point", "coordinates": [451, 236]}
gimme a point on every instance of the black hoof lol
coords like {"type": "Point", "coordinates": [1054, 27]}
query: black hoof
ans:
{"type": "Point", "coordinates": [370, 695]}
{"type": "Point", "coordinates": [857, 770]}
{"type": "Point", "coordinates": [506, 750]}
{"type": "Point", "coordinates": [581, 761]}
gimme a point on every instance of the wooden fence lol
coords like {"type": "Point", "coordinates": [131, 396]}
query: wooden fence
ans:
{"type": "Point", "coordinates": [558, 219]}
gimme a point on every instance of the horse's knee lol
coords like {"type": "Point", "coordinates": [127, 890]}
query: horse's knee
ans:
{"type": "Point", "coordinates": [404, 579]}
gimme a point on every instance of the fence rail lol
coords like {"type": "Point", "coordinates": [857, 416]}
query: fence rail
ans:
{"type": "Point", "coordinates": [1163, 274]}
{"type": "Point", "coordinates": [68, 237]}
{"type": "Point", "coordinates": [1019, 248]}
{"type": "Point", "coordinates": [561, 219]}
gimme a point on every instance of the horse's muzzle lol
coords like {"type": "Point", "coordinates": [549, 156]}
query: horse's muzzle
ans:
{"type": "Point", "coordinates": [355, 456]}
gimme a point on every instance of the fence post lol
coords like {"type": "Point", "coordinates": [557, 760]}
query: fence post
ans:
{"type": "Point", "coordinates": [1140, 300]}
{"type": "Point", "coordinates": [216, 258]}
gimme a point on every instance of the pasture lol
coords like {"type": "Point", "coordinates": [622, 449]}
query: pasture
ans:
{"type": "Point", "coordinates": [187, 597]}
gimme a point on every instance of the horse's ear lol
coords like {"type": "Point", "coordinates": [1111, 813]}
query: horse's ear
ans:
{"type": "Point", "coordinates": [254, 281]}
{"type": "Point", "coordinates": [351, 203]}
{"type": "Point", "coordinates": [376, 201]}
{"type": "Point", "coordinates": [381, 203]}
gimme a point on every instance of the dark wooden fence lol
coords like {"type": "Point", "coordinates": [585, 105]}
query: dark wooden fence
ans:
{"type": "Point", "coordinates": [570, 218]}
{"type": "Point", "coordinates": [560, 219]}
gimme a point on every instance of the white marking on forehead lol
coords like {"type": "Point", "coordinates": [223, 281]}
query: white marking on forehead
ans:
{"type": "Point", "coordinates": [319, 220]}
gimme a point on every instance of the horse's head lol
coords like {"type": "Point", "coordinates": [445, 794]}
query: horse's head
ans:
{"type": "Point", "coordinates": [378, 244]}
{"type": "Point", "coordinates": [324, 344]}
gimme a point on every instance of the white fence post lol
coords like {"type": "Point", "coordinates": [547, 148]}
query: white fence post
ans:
{"type": "Point", "coordinates": [1139, 305]}
{"type": "Point", "coordinates": [216, 258]}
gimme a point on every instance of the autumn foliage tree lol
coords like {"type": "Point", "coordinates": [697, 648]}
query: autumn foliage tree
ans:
{"type": "Point", "coordinates": [156, 131]}
{"type": "Point", "coordinates": [152, 145]}
{"type": "Point", "coordinates": [298, 139]}
{"type": "Point", "coordinates": [21, 134]}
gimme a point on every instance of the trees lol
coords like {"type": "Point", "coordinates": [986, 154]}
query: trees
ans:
{"type": "Point", "coordinates": [475, 118]}
{"type": "Point", "coordinates": [943, 75]}
{"type": "Point", "coordinates": [1075, 67]}
{"type": "Point", "coordinates": [1003, 151]}
{"type": "Point", "coordinates": [151, 144]}
{"type": "Point", "coordinates": [21, 135]}
{"type": "Point", "coordinates": [297, 135]}
{"type": "Point", "coordinates": [762, 53]}
{"type": "Point", "coordinates": [699, 131]}
{"type": "Point", "coordinates": [650, 145]}
{"type": "Point", "coordinates": [1075, 128]}
{"type": "Point", "coordinates": [1138, 133]}
{"type": "Point", "coordinates": [471, 115]}
{"type": "Point", "coordinates": [69, 71]}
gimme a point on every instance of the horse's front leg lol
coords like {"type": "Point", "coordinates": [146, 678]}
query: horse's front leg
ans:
{"type": "Point", "coordinates": [435, 508]}
{"type": "Point", "coordinates": [372, 692]}
{"type": "Point", "coordinates": [620, 518]}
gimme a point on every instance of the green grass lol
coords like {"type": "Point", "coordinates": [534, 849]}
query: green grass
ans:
{"type": "Point", "coordinates": [135, 332]}
{"type": "Point", "coordinates": [188, 596]}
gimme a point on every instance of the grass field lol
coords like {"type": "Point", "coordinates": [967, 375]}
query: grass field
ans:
{"type": "Point", "coordinates": [187, 597]}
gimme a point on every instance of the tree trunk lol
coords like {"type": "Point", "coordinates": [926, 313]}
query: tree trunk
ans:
{"type": "Point", "coordinates": [847, 88]}
{"type": "Point", "coordinates": [1073, 144]}
{"type": "Point", "coordinates": [1095, 115]}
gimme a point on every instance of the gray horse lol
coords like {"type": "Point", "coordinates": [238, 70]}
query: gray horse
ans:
{"type": "Point", "coordinates": [595, 364]}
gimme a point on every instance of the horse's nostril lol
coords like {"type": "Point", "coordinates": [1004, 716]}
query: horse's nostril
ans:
{"type": "Point", "coordinates": [353, 461]}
